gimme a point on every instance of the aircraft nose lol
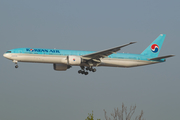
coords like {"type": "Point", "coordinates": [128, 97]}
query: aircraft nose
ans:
{"type": "Point", "coordinates": [5, 55]}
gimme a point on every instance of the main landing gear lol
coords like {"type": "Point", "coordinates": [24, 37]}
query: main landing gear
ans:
{"type": "Point", "coordinates": [82, 71]}
{"type": "Point", "coordinates": [15, 61]}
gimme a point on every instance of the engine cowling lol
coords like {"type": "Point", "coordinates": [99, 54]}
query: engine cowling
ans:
{"type": "Point", "coordinates": [60, 67]}
{"type": "Point", "coordinates": [74, 60]}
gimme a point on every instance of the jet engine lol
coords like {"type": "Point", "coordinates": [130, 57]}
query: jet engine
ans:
{"type": "Point", "coordinates": [61, 67]}
{"type": "Point", "coordinates": [72, 60]}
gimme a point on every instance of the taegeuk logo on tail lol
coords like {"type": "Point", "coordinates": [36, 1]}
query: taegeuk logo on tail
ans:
{"type": "Point", "coordinates": [154, 48]}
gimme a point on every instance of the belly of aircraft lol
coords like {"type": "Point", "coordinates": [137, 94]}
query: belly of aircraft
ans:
{"type": "Point", "coordinates": [124, 62]}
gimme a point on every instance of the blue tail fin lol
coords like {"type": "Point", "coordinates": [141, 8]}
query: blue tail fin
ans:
{"type": "Point", "coordinates": [154, 48]}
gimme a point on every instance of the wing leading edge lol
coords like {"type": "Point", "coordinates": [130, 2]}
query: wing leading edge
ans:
{"type": "Point", "coordinates": [104, 53]}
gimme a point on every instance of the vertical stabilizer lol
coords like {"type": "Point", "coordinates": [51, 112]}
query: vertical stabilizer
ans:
{"type": "Point", "coordinates": [154, 48]}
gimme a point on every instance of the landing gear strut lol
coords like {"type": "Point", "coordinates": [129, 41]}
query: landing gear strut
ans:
{"type": "Point", "coordinates": [91, 69]}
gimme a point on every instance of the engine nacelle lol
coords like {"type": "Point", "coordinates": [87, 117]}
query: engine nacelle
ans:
{"type": "Point", "coordinates": [60, 67]}
{"type": "Point", "coordinates": [74, 60]}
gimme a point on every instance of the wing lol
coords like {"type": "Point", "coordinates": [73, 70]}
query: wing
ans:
{"type": "Point", "coordinates": [163, 57]}
{"type": "Point", "coordinates": [104, 53]}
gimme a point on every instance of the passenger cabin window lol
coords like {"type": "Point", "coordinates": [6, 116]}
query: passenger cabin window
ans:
{"type": "Point", "coordinates": [8, 52]}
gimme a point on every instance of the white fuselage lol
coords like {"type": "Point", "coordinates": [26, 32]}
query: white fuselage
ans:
{"type": "Point", "coordinates": [111, 62]}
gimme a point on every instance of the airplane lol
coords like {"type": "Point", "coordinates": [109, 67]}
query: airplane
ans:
{"type": "Point", "coordinates": [87, 60]}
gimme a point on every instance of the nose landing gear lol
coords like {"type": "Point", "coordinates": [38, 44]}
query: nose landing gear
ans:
{"type": "Point", "coordinates": [16, 66]}
{"type": "Point", "coordinates": [15, 61]}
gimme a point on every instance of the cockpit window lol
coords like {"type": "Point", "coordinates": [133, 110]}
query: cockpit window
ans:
{"type": "Point", "coordinates": [8, 52]}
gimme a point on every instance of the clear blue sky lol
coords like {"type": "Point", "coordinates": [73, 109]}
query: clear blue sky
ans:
{"type": "Point", "coordinates": [37, 92]}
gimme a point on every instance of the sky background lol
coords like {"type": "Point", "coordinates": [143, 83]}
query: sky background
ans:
{"type": "Point", "coordinates": [37, 92]}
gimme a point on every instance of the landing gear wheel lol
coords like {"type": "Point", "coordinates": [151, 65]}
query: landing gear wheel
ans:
{"type": "Point", "coordinates": [94, 70]}
{"type": "Point", "coordinates": [82, 71]}
{"type": "Point", "coordinates": [82, 67]}
{"type": "Point", "coordinates": [16, 66]}
{"type": "Point", "coordinates": [79, 71]}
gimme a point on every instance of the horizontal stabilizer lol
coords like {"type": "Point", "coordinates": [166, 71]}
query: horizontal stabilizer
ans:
{"type": "Point", "coordinates": [162, 57]}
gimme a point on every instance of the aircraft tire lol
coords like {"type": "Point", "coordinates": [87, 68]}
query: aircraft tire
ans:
{"type": "Point", "coordinates": [94, 70]}
{"type": "Point", "coordinates": [16, 66]}
{"type": "Point", "coordinates": [79, 71]}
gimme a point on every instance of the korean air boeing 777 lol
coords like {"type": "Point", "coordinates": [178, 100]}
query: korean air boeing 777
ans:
{"type": "Point", "coordinates": [65, 59]}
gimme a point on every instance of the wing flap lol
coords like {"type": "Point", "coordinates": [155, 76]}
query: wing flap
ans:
{"type": "Point", "coordinates": [162, 57]}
